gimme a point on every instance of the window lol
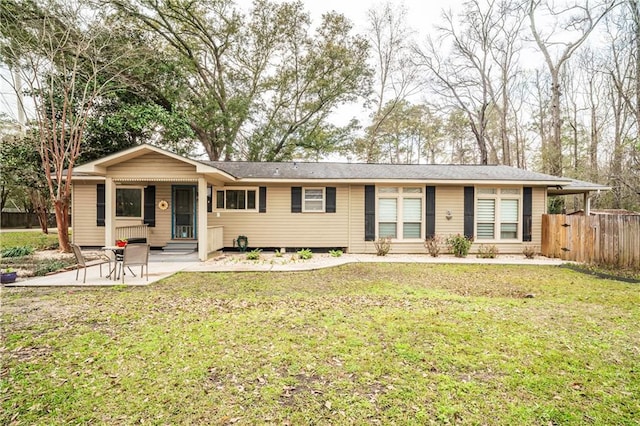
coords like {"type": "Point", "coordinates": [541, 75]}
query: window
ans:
{"type": "Point", "coordinates": [400, 212]}
{"type": "Point", "coordinates": [313, 200]}
{"type": "Point", "coordinates": [497, 213]}
{"type": "Point", "coordinates": [129, 202]}
{"type": "Point", "coordinates": [236, 199]}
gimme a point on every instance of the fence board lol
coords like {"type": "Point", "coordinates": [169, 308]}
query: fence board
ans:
{"type": "Point", "coordinates": [612, 240]}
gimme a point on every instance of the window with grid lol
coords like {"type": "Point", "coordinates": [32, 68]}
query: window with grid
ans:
{"type": "Point", "coordinates": [313, 200]}
{"type": "Point", "coordinates": [236, 199]}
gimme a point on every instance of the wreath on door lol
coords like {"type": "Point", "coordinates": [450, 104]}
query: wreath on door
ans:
{"type": "Point", "coordinates": [163, 205]}
{"type": "Point", "coordinates": [242, 242]}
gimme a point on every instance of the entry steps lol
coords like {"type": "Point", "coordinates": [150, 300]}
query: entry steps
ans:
{"type": "Point", "coordinates": [183, 246]}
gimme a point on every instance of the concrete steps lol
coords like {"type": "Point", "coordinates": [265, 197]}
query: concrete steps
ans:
{"type": "Point", "coordinates": [183, 246]}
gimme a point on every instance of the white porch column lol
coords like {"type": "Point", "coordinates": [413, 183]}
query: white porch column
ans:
{"type": "Point", "coordinates": [203, 244]}
{"type": "Point", "coordinates": [109, 212]}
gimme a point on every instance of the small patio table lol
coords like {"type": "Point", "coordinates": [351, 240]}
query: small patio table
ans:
{"type": "Point", "coordinates": [118, 253]}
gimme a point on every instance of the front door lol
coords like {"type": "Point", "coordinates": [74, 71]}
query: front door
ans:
{"type": "Point", "coordinates": [184, 212]}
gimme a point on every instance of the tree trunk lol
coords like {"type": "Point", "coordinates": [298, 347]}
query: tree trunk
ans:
{"type": "Point", "coordinates": [555, 147]}
{"type": "Point", "coordinates": [62, 223]}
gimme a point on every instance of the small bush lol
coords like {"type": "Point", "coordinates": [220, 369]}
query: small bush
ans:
{"type": "Point", "coordinates": [305, 254]}
{"type": "Point", "coordinates": [254, 254]}
{"type": "Point", "coordinates": [433, 245]}
{"type": "Point", "coordinates": [383, 245]}
{"type": "Point", "coordinates": [529, 251]}
{"type": "Point", "coordinates": [51, 265]}
{"type": "Point", "coordinates": [459, 245]}
{"type": "Point", "coordinates": [335, 253]}
{"type": "Point", "coordinates": [18, 251]}
{"type": "Point", "coordinates": [278, 253]}
{"type": "Point", "coordinates": [487, 252]}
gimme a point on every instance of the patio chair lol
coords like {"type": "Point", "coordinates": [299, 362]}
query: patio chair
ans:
{"type": "Point", "coordinates": [83, 263]}
{"type": "Point", "coordinates": [135, 255]}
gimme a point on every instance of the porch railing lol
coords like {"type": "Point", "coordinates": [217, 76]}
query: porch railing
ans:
{"type": "Point", "coordinates": [214, 238]}
{"type": "Point", "coordinates": [132, 231]}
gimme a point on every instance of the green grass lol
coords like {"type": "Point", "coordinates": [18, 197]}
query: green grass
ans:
{"type": "Point", "coordinates": [358, 344]}
{"type": "Point", "coordinates": [37, 240]}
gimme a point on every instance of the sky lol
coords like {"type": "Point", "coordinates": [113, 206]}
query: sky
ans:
{"type": "Point", "coordinates": [422, 15]}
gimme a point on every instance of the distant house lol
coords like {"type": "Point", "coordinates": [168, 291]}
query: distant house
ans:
{"type": "Point", "coordinates": [146, 192]}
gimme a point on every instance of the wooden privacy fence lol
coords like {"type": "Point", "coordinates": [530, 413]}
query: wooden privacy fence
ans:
{"type": "Point", "coordinates": [602, 239]}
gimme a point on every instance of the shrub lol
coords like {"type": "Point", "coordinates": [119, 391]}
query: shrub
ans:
{"type": "Point", "coordinates": [335, 253]}
{"type": "Point", "coordinates": [305, 254]}
{"type": "Point", "coordinates": [383, 245]}
{"type": "Point", "coordinates": [459, 245]}
{"type": "Point", "coordinates": [18, 251]}
{"type": "Point", "coordinates": [278, 253]}
{"type": "Point", "coordinates": [254, 254]}
{"type": "Point", "coordinates": [432, 245]}
{"type": "Point", "coordinates": [50, 265]}
{"type": "Point", "coordinates": [487, 252]}
{"type": "Point", "coordinates": [529, 251]}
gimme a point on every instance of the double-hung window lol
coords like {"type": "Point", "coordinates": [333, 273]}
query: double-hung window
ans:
{"type": "Point", "coordinates": [497, 213]}
{"type": "Point", "coordinates": [129, 202]}
{"type": "Point", "coordinates": [313, 200]}
{"type": "Point", "coordinates": [236, 199]}
{"type": "Point", "coordinates": [400, 212]}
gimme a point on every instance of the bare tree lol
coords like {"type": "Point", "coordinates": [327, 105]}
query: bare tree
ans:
{"type": "Point", "coordinates": [390, 40]}
{"type": "Point", "coordinates": [577, 20]}
{"type": "Point", "coordinates": [59, 52]}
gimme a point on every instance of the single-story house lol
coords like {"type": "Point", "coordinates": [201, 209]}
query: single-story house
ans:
{"type": "Point", "coordinates": [147, 192]}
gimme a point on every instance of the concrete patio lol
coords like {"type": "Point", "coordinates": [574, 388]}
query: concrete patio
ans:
{"type": "Point", "coordinates": [162, 265]}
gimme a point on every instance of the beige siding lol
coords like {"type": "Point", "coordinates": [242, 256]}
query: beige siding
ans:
{"type": "Point", "coordinates": [449, 199]}
{"type": "Point", "coordinates": [161, 233]}
{"type": "Point", "coordinates": [85, 231]}
{"type": "Point", "coordinates": [278, 227]}
{"type": "Point", "coordinates": [153, 166]}
{"type": "Point", "coordinates": [538, 208]}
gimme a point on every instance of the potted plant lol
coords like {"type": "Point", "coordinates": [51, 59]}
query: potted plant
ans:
{"type": "Point", "coordinates": [8, 276]}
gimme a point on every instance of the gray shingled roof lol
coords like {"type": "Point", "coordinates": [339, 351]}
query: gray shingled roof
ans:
{"type": "Point", "coordinates": [348, 171]}
{"type": "Point", "coordinates": [578, 186]}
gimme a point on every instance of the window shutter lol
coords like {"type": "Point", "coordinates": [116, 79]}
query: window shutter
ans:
{"type": "Point", "coordinates": [369, 213]}
{"type": "Point", "coordinates": [468, 211]}
{"type": "Point", "coordinates": [100, 205]}
{"type": "Point", "coordinates": [209, 199]}
{"type": "Point", "coordinates": [262, 206]}
{"type": "Point", "coordinates": [431, 211]}
{"type": "Point", "coordinates": [527, 205]}
{"type": "Point", "coordinates": [150, 206]}
{"type": "Point", "coordinates": [330, 202]}
{"type": "Point", "coordinates": [296, 199]}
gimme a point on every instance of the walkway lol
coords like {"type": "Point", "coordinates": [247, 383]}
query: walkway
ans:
{"type": "Point", "coordinates": [162, 265]}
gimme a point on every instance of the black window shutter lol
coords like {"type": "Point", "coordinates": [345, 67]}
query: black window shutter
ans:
{"type": "Point", "coordinates": [469, 195]}
{"type": "Point", "coordinates": [262, 206]}
{"type": "Point", "coordinates": [330, 203]}
{"type": "Point", "coordinates": [296, 199]}
{"type": "Point", "coordinates": [209, 199]}
{"type": "Point", "coordinates": [369, 213]}
{"type": "Point", "coordinates": [100, 205]}
{"type": "Point", "coordinates": [431, 211]}
{"type": "Point", "coordinates": [150, 206]}
{"type": "Point", "coordinates": [527, 206]}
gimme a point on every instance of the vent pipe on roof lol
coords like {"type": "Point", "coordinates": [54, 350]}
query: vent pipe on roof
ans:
{"type": "Point", "coordinates": [277, 172]}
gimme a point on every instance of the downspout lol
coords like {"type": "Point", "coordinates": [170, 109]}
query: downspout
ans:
{"type": "Point", "coordinates": [587, 203]}
{"type": "Point", "coordinates": [349, 222]}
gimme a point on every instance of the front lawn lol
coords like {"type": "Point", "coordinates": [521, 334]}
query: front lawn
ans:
{"type": "Point", "coordinates": [358, 344]}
